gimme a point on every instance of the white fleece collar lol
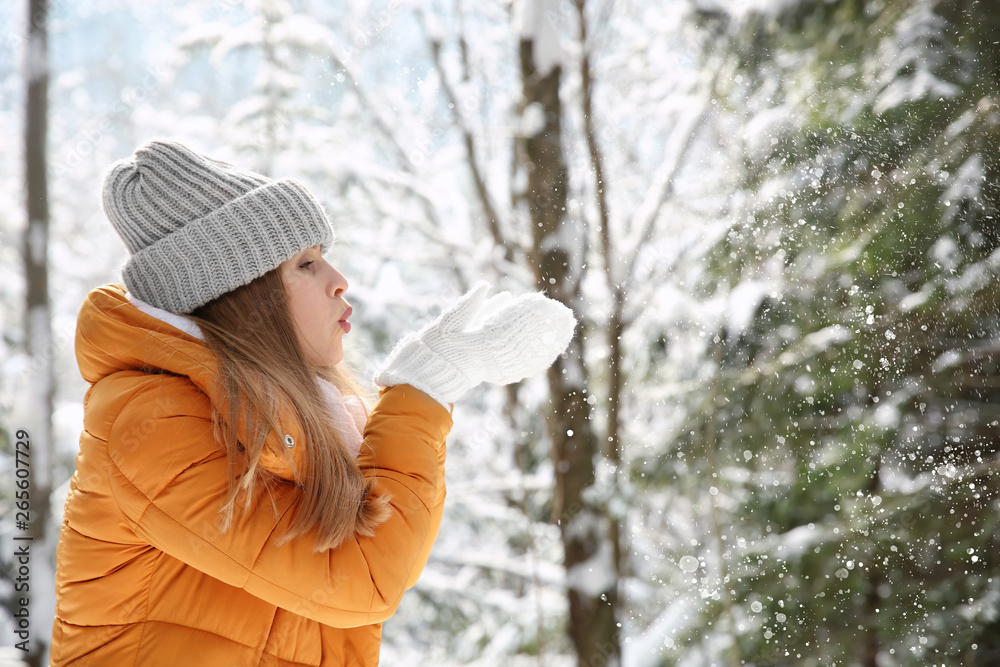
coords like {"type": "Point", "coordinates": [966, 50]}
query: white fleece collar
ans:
{"type": "Point", "coordinates": [176, 321]}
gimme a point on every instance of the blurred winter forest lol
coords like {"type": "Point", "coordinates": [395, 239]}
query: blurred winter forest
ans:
{"type": "Point", "coordinates": [774, 439]}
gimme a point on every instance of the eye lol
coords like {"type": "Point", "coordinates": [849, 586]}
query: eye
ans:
{"type": "Point", "coordinates": [306, 264]}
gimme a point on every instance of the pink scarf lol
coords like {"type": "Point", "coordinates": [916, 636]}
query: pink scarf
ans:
{"type": "Point", "coordinates": [349, 415]}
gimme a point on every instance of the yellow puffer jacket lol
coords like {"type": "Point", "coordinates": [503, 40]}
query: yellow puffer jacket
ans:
{"type": "Point", "coordinates": [145, 579]}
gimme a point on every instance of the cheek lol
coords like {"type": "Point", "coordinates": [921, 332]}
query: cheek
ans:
{"type": "Point", "coordinates": [303, 315]}
{"type": "Point", "coordinates": [311, 314]}
{"type": "Point", "coordinates": [299, 313]}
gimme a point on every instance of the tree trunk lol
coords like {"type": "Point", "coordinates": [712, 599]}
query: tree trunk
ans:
{"type": "Point", "coordinates": [589, 557]}
{"type": "Point", "coordinates": [616, 285]}
{"type": "Point", "coordinates": [38, 327]}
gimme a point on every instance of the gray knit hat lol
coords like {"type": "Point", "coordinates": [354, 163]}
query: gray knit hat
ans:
{"type": "Point", "coordinates": [198, 228]}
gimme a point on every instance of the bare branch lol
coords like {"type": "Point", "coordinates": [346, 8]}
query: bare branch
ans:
{"type": "Point", "coordinates": [381, 124]}
{"type": "Point", "coordinates": [590, 134]}
{"type": "Point", "coordinates": [489, 210]}
{"type": "Point", "coordinates": [644, 218]}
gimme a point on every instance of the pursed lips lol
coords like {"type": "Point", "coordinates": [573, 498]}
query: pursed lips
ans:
{"type": "Point", "coordinates": [345, 325]}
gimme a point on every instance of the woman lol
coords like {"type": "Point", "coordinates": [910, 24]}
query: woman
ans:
{"type": "Point", "coordinates": [234, 502]}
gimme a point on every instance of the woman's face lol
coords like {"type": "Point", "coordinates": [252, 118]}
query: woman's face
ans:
{"type": "Point", "coordinates": [315, 294]}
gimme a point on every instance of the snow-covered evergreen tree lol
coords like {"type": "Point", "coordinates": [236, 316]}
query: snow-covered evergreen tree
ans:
{"type": "Point", "coordinates": [837, 435]}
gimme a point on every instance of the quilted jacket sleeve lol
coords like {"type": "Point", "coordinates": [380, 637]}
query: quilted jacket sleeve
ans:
{"type": "Point", "coordinates": [359, 583]}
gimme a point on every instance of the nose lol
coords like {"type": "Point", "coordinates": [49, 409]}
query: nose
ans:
{"type": "Point", "coordinates": [338, 283]}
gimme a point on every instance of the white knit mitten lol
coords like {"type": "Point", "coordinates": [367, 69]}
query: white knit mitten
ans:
{"type": "Point", "coordinates": [501, 340]}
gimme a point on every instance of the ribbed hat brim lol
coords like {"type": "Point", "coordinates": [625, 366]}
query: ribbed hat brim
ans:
{"type": "Point", "coordinates": [228, 248]}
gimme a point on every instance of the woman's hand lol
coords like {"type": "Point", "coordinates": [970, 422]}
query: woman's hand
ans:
{"type": "Point", "coordinates": [500, 340]}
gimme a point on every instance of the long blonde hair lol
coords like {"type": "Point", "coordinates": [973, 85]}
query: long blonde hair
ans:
{"type": "Point", "coordinates": [264, 380]}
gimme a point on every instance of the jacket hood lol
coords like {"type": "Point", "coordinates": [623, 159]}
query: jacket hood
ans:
{"type": "Point", "coordinates": [113, 335]}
